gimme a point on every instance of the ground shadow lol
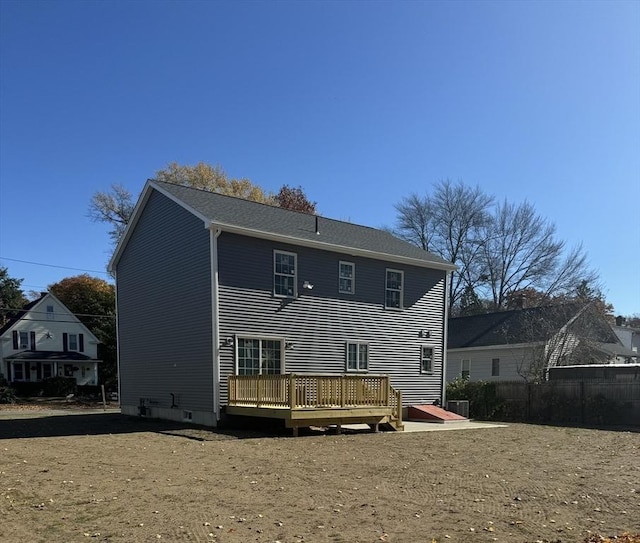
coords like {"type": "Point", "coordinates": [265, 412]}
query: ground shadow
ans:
{"type": "Point", "coordinates": [115, 423]}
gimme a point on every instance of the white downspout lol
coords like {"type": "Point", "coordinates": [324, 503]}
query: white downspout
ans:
{"type": "Point", "coordinates": [445, 336]}
{"type": "Point", "coordinates": [215, 314]}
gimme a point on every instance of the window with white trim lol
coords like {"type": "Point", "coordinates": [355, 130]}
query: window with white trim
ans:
{"type": "Point", "coordinates": [465, 369]}
{"type": "Point", "coordinates": [23, 340]}
{"type": "Point", "coordinates": [259, 356]}
{"type": "Point", "coordinates": [357, 356]}
{"type": "Point", "coordinates": [426, 359]}
{"type": "Point", "coordinates": [47, 371]}
{"type": "Point", "coordinates": [73, 342]}
{"type": "Point", "coordinates": [50, 314]}
{"type": "Point", "coordinates": [394, 289]}
{"type": "Point", "coordinates": [346, 277]}
{"type": "Point", "coordinates": [284, 274]}
{"type": "Point", "coordinates": [495, 367]}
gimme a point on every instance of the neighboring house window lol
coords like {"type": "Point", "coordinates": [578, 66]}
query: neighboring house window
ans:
{"type": "Point", "coordinates": [23, 340]}
{"type": "Point", "coordinates": [47, 371]}
{"type": "Point", "coordinates": [357, 356]}
{"type": "Point", "coordinates": [68, 370]}
{"type": "Point", "coordinates": [50, 314]}
{"type": "Point", "coordinates": [393, 289]}
{"type": "Point", "coordinates": [347, 278]}
{"type": "Point", "coordinates": [257, 356]}
{"type": "Point", "coordinates": [73, 342]}
{"type": "Point", "coordinates": [495, 367]}
{"type": "Point", "coordinates": [466, 369]}
{"type": "Point", "coordinates": [284, 274]}
{"type": "Point", "coordinates": [426, 360]}
{"type": "Point", "coordinates": [18, 371]}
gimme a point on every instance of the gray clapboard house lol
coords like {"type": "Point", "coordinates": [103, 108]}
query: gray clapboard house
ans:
{"type": "Point", "coordinates": [212, 288]}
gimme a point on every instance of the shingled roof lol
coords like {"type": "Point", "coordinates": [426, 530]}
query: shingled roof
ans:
{"type": "Point", "coordinates": [520, 326]}
{"type": "Point", "coordinates": [262, 220]}
{"type": "Point", "coordinates": [19, 314]}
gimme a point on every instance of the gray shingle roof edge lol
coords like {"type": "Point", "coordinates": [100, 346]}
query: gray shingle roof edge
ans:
{"type": "Point", "coordinates": [255, 219]}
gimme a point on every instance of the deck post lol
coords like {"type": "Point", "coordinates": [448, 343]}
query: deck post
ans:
{"type": "Point", "coordinates": [259, 391]}
{"type": "Point", "coordinates": [292, 391]}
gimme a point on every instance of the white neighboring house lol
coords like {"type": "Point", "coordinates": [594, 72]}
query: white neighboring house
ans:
{"type": "Point", "coordinates": [524, 343]}
{"type": "Point", "coordinates": [47, 340]}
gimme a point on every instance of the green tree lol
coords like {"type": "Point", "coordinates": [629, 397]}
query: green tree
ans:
{"type": "Point", "coordinates": [11, 296]}
{"type": "Point", "coordinates": [93, 300]}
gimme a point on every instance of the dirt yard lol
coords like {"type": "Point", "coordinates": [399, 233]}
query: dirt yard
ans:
{"type": "Point", "coordinates": [108, 478]}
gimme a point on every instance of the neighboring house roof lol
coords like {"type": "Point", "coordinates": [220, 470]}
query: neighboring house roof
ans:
{"type": "Point", "coordinates": [616, 349]}
{"type": "Point", "coordinates": [55, 356]}
{"type": "Point", "coordinates": [31, 305]}
{"type": "Point", "coordinates": [518, 326]}
{"type": "Point", "coordinates": [266, 221]}
{"type": "Point", "coordinates": [20, 314]}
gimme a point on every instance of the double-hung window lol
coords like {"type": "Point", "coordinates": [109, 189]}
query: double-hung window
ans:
{"type": "Point", "coordinates": [495, 367]}
{"type": "Point", "coordinates": [259, 356]}
{"type": "Point", "coordinates": [357, 356]}
{"type": "Point", "coordinates": [284, 274]}
{"type": "Point", "coordinates": [465, 369]}
{"type": "Point", "coordinates": [73, 342]}
{"type": "Point", "coordinates": [394, 289]}
{"type": "Point", "coordinates": [23, 340]}
{"type": "Point", "coordinates": [50, 314]}
{"type": "Point", "coordinates": [346, 277]}
{"type": "Point", "coordinates": [426, 359]}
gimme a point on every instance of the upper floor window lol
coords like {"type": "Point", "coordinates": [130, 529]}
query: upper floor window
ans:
{"type": "Point", "coordinates": [394, 289]}
{"type": "Point", "coordinates": [357, 356]}
{"type": "Point", "coordinates": [73, 342]}
{"type": "Point", "coordinates": [347, 277]}
{"type": "Point", "coordinates": [23, 340]}
{"type": "Point", "coordinates": [495, 367]}
{"type": "Point", "coordinates": [50, 314]}
{"type": "Point", "coordinates": [426, 359]}
{"type": "Point", "coordinates": [284, 274]}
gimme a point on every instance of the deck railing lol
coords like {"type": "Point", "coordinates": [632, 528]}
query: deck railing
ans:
{"type": "Point", "coordinates": [312, 391]}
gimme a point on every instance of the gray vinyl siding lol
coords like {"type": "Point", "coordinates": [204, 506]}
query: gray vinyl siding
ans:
{"type": "Point", "coordinates": [511, 360]}
{"type": "Point", "coordinates": [164, 310]}
{"type": "Point", "coordinates": [321, 320]}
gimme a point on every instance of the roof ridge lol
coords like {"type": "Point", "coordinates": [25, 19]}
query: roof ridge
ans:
{"type": "Point", "coordinates": [284, 209]}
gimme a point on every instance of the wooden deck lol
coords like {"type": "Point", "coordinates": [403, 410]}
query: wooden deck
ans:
{"type": "Point", "coordinates": [317, 400]}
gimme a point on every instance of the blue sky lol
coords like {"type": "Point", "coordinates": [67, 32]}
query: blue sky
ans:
{"type": "Point", "coordinates": [360, 103]}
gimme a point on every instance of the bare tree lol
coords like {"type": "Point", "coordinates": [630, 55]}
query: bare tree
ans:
{"type": "Point", "coordinates": [114, 207]}
{"type": "Point", "coordinates": [448, 223]}
{"type": "Point", "coordinates": [519, 251]}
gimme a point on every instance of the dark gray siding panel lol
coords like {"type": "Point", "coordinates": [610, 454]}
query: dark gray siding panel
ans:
{"type": "Point", "coordinates": [320, 321]}
{"type": "Point", "coordinates": [164, 308]}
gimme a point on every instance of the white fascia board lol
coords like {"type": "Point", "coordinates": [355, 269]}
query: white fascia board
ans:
{"type": "Point", "coordinates": [495, 347]}
{"type": "Point", "coordinates": [352, 251]}
{"type": "Point", "coordinates": [137, 211]}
